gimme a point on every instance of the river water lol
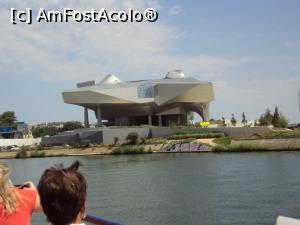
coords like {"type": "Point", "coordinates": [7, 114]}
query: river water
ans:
{"type": "Point", "coordinates": [183, 189]}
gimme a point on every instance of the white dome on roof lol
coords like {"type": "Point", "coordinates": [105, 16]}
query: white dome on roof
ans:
{"type": "Point", "coordinates": [175, 74]}
{"type": "Point", "coordinates": [110, 79]}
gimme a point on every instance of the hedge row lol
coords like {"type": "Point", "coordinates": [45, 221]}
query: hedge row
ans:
{"type": "Point", "coordinates": [196, 135]}
{"type": "Point", "coordinates": [130, 150]}
{"type": "Point", "coordinates": [279, 134]}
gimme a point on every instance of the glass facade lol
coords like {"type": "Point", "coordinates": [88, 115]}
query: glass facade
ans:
{"type": "Point", "coordinates": [145, 91]}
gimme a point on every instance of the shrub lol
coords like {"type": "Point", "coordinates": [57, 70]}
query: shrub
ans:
{"type": "Point", "coordinates": [22, 153]}
{"type": "Point", "coordinates": [278, 134]}
{"type": "Point", "coordinates": [143, 140]}
{"type": "Point", "coordinates": [223, 141]}
{"type": "Point", "coordinates": [132, 138]}
{"type": "Point", "coordinates": [116, 140]}
{"type": "Point", "coordinates": [239, 148]}
{"type": "Point", "coordinates": [129, 150]}
{"type": "Point", "coordinates": [155, 141]}
{"type": "Point", "coordinates": [85, 143]}
{"type": "Point", "coordinates": [37, 154]}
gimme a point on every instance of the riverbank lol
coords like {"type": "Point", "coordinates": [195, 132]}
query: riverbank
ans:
{"type": "Point", "coordinates": [60, 152]}
{"type": "Point", "coordinates": [276, 140]}
{"type": "Point", "coordinates": [168, 146]}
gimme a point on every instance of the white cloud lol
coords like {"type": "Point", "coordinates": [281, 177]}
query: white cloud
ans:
{"type": "Point", "coordinates": [76, 52]}
{"type": "Point", "coordinates": [175, 10]}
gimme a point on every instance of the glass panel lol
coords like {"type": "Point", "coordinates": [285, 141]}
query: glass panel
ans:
{"type": "Point", "coordinates": [145, 91]}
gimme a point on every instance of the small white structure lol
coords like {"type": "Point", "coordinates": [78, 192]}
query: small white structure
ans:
{"type": "Point", "coordinates": [110, 79]}
{"type": "Point", "coordinates": [175, 74]}
{"type": "Point", "coordinates": [239, 124]}
{"type": "Point", "coordinates": [20, 142]}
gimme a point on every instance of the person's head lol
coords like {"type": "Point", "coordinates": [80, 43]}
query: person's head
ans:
{"type": "Point", "coordinates": [63, 194]}
{"type": "Point", "coordinates": [8, 197]}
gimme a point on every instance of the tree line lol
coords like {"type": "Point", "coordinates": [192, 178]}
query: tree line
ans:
{"type": "Point", "coordinates": [40, 131]}
{"type": "Point", "coordinates": [277, 119]}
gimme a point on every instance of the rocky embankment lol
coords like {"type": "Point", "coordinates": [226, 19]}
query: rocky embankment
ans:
{"type": "Point", "coordinates": [186, 147]}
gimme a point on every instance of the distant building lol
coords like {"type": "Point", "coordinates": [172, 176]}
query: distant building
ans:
{"type": "Point", "coordinates": [7, 132]}
{"type": "Point", "coordinates": [51, 124]}
{"type": "Point", "coordinates": [18, 130]}
{"type": "Point", "coordinates": [155, 102]}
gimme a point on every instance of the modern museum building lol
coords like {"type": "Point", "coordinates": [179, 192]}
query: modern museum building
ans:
{"type": "Point", "coordinates": [161, 102]}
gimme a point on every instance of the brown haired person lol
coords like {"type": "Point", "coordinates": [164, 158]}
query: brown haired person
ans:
{"type": "Point", "coordinates": [63, 194]}
{"type": "Point", "coordinates": [16, 204]}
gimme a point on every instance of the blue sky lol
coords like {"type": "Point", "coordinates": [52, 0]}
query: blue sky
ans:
{"type": "Point", "coordinates": [250, 50]}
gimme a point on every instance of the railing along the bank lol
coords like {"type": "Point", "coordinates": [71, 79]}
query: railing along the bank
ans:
{"type": "Point", "coordinates": [96, 220]}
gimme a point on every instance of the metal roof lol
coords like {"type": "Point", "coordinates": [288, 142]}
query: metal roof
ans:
{"type": "Point", "coordinates": [186, 80]}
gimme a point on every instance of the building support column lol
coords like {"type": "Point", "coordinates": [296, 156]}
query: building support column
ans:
{"type": "Point", "coordinates": [86, 117]}
{"type": "Point", "coordinates": [150, 120]}
{"type": "Point", "coordinates": [190, 118]}
{"type": "Point", "coordinates": [99, 116]}
{"type": "Point", "coordinates": [159, 120]}
{"type": "Point", "coordinates": [203, 111]}
{"type": "Point", "coordinates": [178, 120]}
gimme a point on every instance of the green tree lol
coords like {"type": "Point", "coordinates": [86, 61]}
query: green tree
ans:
{"type": "Point", "coordinates": [233, 120]}
{"type": "Point", "coordinates": [8, 118]}
{"type": "Point", "coordinates": [266, 118]}
{"type": "Point", "coordinates": [71, 125]}
{"type": "Point", "coordinates": [44, 131]}
{"type": "Point", "coordinates": [276, 118]}
{"type": "Point", "coordinates": [283, 121]}
{"type": "Point", "coordinates": [244, 120]}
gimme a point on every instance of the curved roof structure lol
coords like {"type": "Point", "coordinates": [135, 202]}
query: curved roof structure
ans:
{"type": "Point", "coordinates": [110, 79]}
{"type": "Point", "coordinates": [175, 74]}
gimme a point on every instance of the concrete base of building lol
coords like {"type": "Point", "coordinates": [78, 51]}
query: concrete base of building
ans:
{"type": "Point", "coordinates": [107, 135]}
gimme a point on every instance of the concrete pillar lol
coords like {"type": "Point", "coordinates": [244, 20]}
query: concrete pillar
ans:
{"type": "Point", "coordinates": [203, 111]}
{"type": "Point", "coordinates": [178, 119]}
{"type": "Point", "coordinates": [150, 120]}
{"type": "Point", "coordinates": [159, 121]}
{"type": "Point", "coordinates": [99, 116]}
{"type": "Point", "coordinates": [86, 117]}
{"type": "Point", "coordinates": [190, 117]}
